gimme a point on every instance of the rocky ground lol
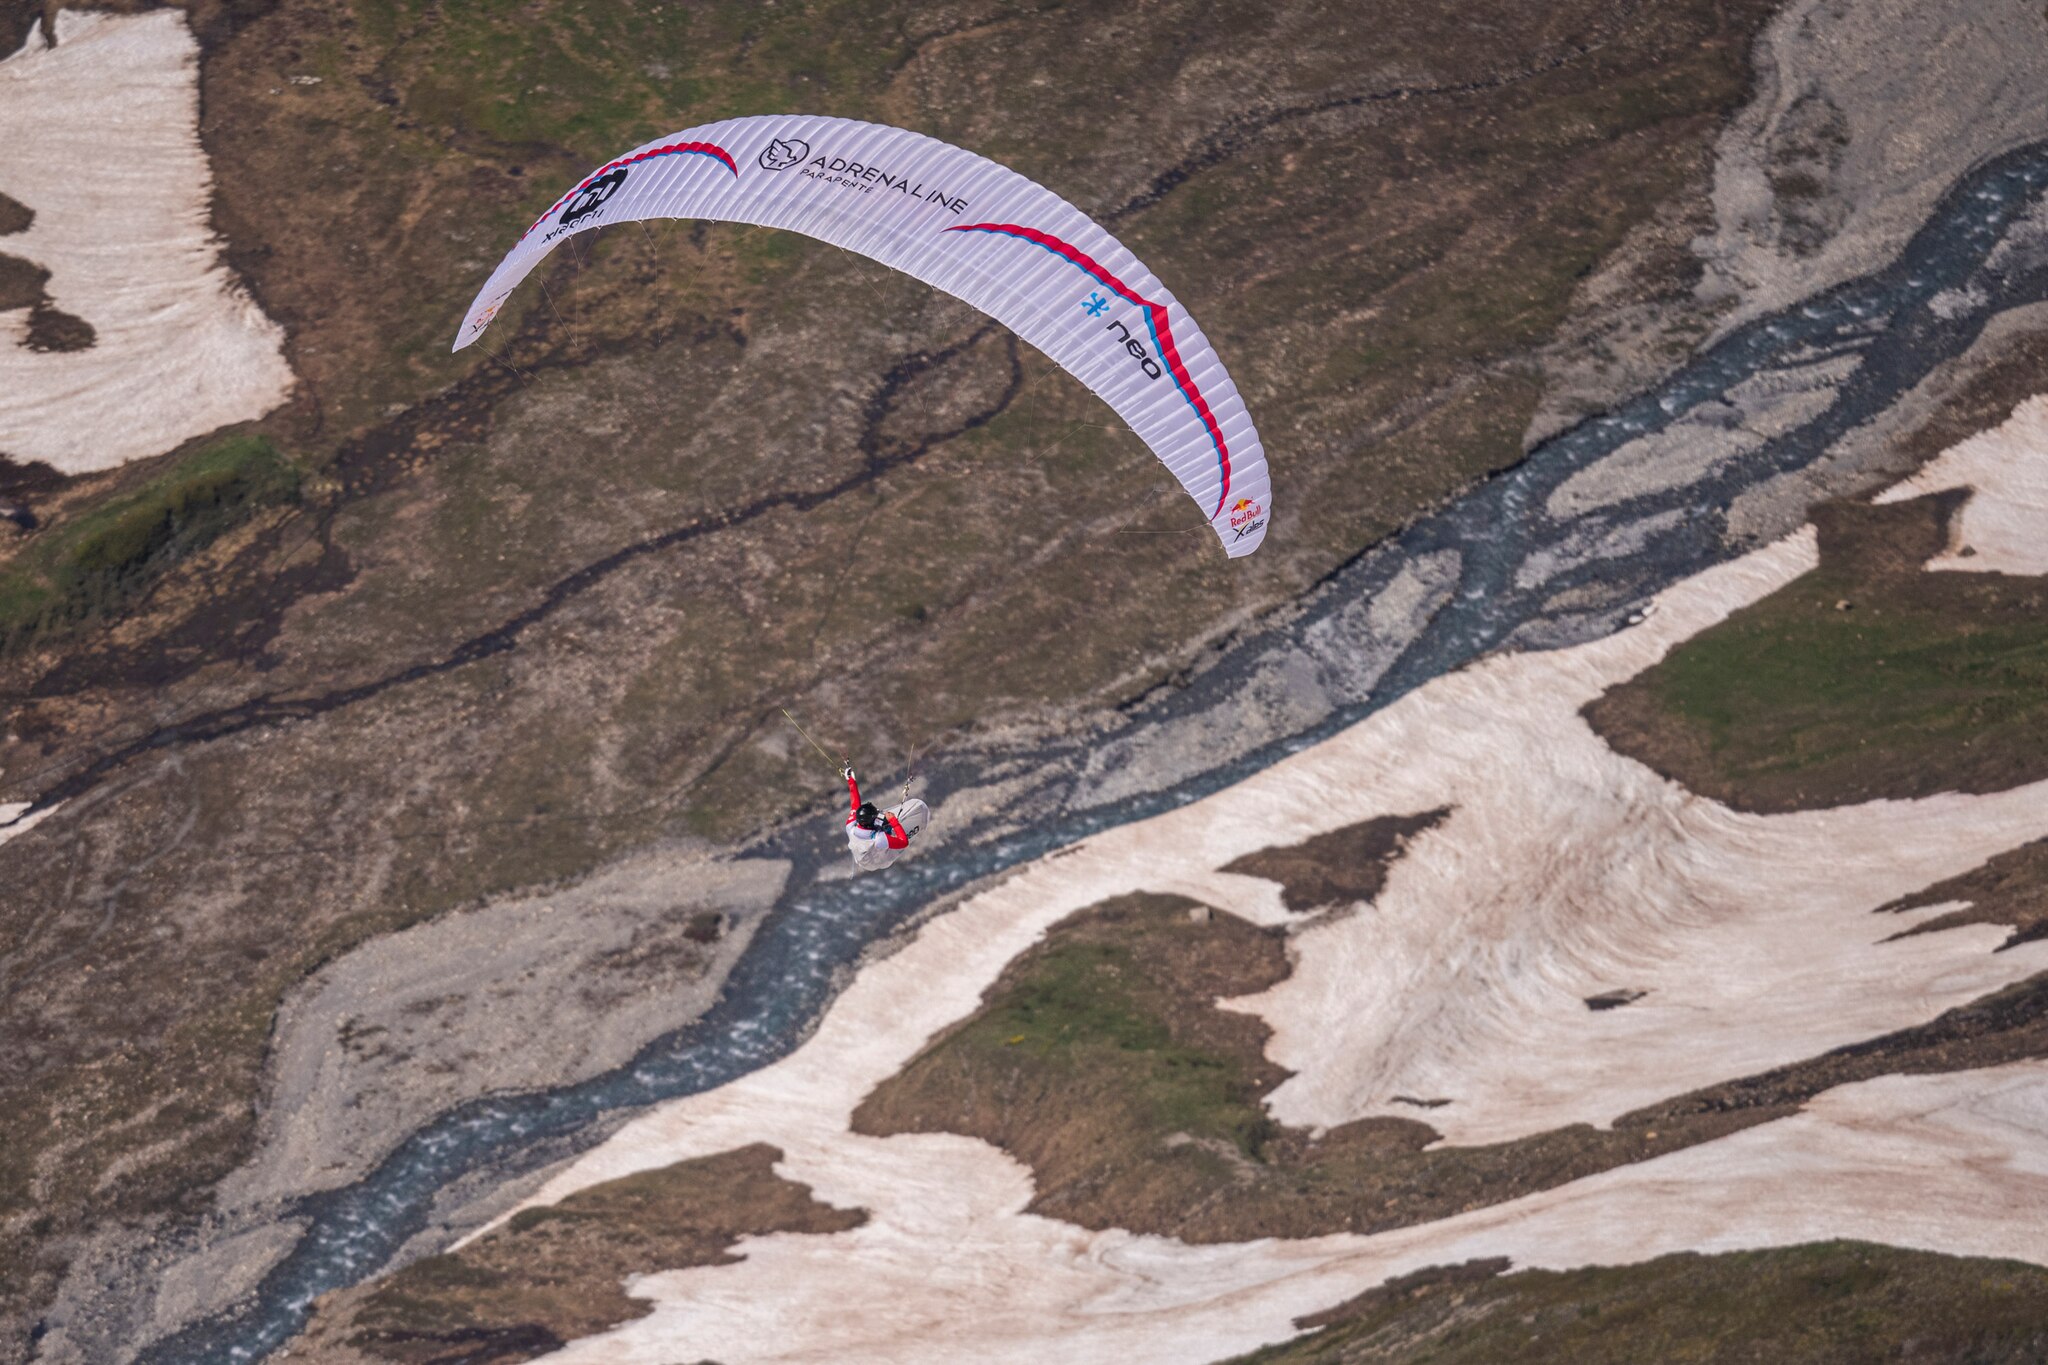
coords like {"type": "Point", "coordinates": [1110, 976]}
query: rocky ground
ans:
{"type": "Point", "coordinates": [392, 751]}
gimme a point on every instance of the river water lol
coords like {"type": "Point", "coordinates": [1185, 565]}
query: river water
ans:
{"type": "Point", "coordinates": [1493, 569]}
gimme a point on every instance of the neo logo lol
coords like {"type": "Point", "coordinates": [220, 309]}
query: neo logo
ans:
{"type": "Point", "coordinates": [1137, 350]}
{"type": "Point", "coordinates": [591, 197]}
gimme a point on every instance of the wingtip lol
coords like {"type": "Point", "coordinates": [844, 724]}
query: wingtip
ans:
{"type": "Point", "coordinates": [1234, 547]}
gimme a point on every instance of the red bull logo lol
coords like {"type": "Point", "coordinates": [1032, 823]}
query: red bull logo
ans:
{"type": "Point", "coordinates": [1242, 511]}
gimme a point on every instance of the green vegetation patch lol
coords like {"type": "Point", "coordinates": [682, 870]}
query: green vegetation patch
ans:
{"type": "Point", "coordinates": [86, 567]}
{"type": "Point", "coordinates": [1823, 1302]}
{"type": "Point", "coordinates": [1091, 1013]}
{"type": "Point", "coordinates": [1101, 1050]}
{"type": "Point", "coordinates": [599, 78]}
{"type": "Point", "coordinates": [1100, 1059]}
{"type": "Point", "coordinates": [1867, 678]}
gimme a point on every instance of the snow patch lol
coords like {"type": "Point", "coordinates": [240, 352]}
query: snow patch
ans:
{"type": "Point", "coordinates": [948, 1270]}
{"type": "Point", "coordinates": [1565, 870]}
{"type": "Point", "coordinates": [12, 823]}
{"type": "Point", "coordinates": [2005, 523]}
{"type": "Point", "coordinates": [102, 144]}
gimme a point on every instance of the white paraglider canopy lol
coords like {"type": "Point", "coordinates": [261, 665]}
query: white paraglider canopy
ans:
{"type": "Point", "coordinates": [964, 224]}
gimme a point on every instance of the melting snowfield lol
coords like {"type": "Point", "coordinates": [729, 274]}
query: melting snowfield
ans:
{"type": "Point", "coordinates": [948, 1270]}
{"type": "Point", "coordinates": [2003, 528]}
{"type": "Point", "coordinates": [102, 147]}
{"type": "Point", "coordinates": [1562, 871]}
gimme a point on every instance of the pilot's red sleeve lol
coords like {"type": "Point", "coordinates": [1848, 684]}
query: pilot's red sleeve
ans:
{"type": "Point", "coordinates": [853, 807]}
{"type": "Point", "coordinates": [897, 838]}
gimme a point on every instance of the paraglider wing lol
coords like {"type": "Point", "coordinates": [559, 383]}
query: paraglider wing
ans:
{"type": "Point", "coordinates": [964, 224]}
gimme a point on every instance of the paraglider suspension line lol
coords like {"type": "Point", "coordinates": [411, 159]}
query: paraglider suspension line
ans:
{"type": "Point", "coordinates": [808, 740]}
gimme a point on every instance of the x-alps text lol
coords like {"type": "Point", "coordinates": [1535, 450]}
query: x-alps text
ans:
{"type": "Point", "coordinates": [867, 179]}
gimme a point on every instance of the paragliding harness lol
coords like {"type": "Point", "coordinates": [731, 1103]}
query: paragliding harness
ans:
{"type": "Point", "coordinates": [872, 820]}
{"type": "Point", "coordinates": [896, 827]}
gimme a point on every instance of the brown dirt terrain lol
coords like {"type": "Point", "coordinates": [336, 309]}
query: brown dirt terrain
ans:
{"type": "Point", "coordinates": [553, 1274]}
{"type": "Point", "coordinates": [1866, 678]}
{"type": "Point", "coordinates": [1338, 868]}
{"type": "Point", "coordinates": [1100, 1061]}
{"type": "Point", "coordinates": [49, 327]}
{"type": "Point", "coordinates": [2009, 889]}
{"type": "Point", "coordinates": [1805, 1305]}
{"type": "Point", "coordinates": [531, 609]}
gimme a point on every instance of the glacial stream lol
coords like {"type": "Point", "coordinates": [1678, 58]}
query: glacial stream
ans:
{"type": "Point", "coordinates": [1512, 560]}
